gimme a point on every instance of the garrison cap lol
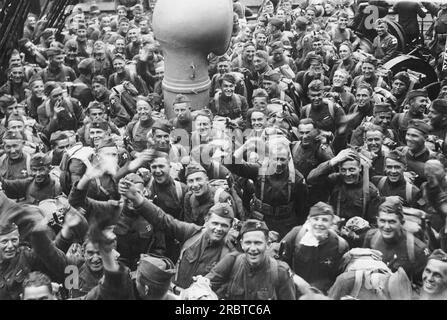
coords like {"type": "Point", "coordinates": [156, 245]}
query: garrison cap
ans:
{"type": "Point", "coordinates": [194, 167]}
{"type": "Point", "coordinates": [419, 125]}
{"type": "Point", "coordinates": [34, 79]}
{"type": "Point", "coordinates": [301, 22]}
{"type": "Point", "coordinates": [438, 254]}
{"type": "Point", "coordinates": [382, 107]}
{"type": "Point", "coordinates": [134, 178]}
{"type": "Point", "coordinates": [40, 160]}
{"type": "Point", "coordinates": [100, 124]}
{"type": "Point", "coordinates": [119, 56]}
{"type": "Point", "coordinates": [223, 58]}
{"type": "Point", "coordinates": [417, 93]}
{"type": "Point", "coordinates": [260, 93]}
{"type": "Point", "coordinates": [223, 210]}
{"type": "Point", "coordinates": [52, 52]}
{"type": "Point", "coordinates": [15, 117]}
{"type": "Point", "coordinates": [99, 79]}
{"type": "Point", "coordinates": [95, 105]}
{"type": "Point", "coordinates": [228, 77]}
{"type": "Point", "coordinates": [276, 23]}
{"type": "Point", "coordinates": [316, 85]}
{"type": "Point", "coordinates": [272, 75]}
{"type": "Point", "coordinates": [180, 98]}
{"type": "Point", "coordinates": [156, 270]}
{"type": "Point", "coordinates": [321, 209]}
{"type": "Point", "coordinates": [262, 54]}
{"type": "Point", "coordinates": [440, 105]}
{"type": "Point", "coordinates": [311, 56]}
{"type": "Point", "coordinates": [7, 100]}
{"type": "Point", "coordinates": [253, 225]}
{"type": "Point", "coordinates": [277, 45]}
{"type": "Point", "coordinates": [371, 60]}
{"type": "Point", "coordinates": [163, 125]}
{"type": "Point", "coordinates": [398, 156]}
{"type": "Point", "coordinates": [87, 65]}
{"type": "Point", "coordinates": [392, 206]}
{"type": "Point", "coordinates": [7, 228]}
{"type": "Point", "coordinates": [13, 135]}
{"type": "Point", "coordinates": [58, 136]}
{"type": "Point", "coordinates": [107, 142]}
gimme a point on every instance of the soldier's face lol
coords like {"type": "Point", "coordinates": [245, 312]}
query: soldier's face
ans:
{"type": "Point", "coordinates": [383, 119]}
{"type": "Point", "coordinates": [394, 170]}
{"type": "Point", "coordinates": [37, 293]}
{"type": "Point", "coordinates": [93, 259]}
{"type": "Point", "coordinates": [344, 52]}
{"type": "Point", "coordinates": [342, 23]}
{"type": "Point", "coordinates": [162, 140]}
{"type": "Point", "coordinates": [203, 125]}
{"type": "Point", "coordinates": [182, 110]}
{"type": "Point", "coordinates": [280, 159]}
{"type": "Point", "coordinates": [415, 139]}
{"type": "Point", "coordinates": [144, 110]}
{"type": "Point", "coordinates": [435, 117]}
{"type": "Point", "coordinates": [368, 70]}
{"type": "Point", "coordinates": [270, 86]}
{"type": "Point", "coordinates": [317, 46]}
{"type": "Point", "coordinates": [254, 244]}
{"type": "Point", "coordinates": [118, 65]}
{"type": "Point", "coordinates": [133, 35]}
{"type": "Point", "coordinates": [217, 227]}
{"type": "Point", "coordinates": [13, 148]}
{"type": "Point", "coordinates": [434, 278]}
{"type": "Point", "coordinates": [258, 121]}
{"type": "Point", "coordinates": [315, 97]}
{"type": "Point", "coordinates": [381, 29]}
{"type": "Point", "coordinates": [389, 224]}
{"type": "Point", "coordinates": [223, 67]}
{"type": "Point", "coordinates": [260, 103]}
{"type": "Point", "coordinates": [398, 87]}
{"type": "Point", "coordinates": [249, 53]}
{"type": "Point", "coordinates": [120, 45]}
{"type": "Point", "coordinates": [160, 170]}
{"type": "Point", "coordinates": [374, 141]}
{"type": "Point", "coordinates": [98, 89]}
{"type": "Point", "coordinates": [16, 126]}
{"type": "Point", "coordinates": [17, 75]}
{"type": "Point", "coordinates": [62, 146]}
{"type": "Point", "coordinates": [82, 34]}
{"type": "Point", "coordinates": [228, 88]}
{"type": "Point", "coordinates": [96, 114]}
{"type": "Point", "coordinates": [350, 172]}
{"type": "Point", "coordinates": [259, 63]}
{"type": "Point", "coordinates": [198, 183]}
{"type": "Point", "coordinates": [96, 136]}
{"type": "Point", "coordinates": [278, 55]}
{"type": "Point", "coordinates": [9, 244]}
{"type": "Point", "coordinates": [37, 89]}
{"type": "Point", "coordinates": [418, 105]}
{"type": "Point", "coordinates": [320, 225]}
{"type": "Point", "coordinates": [124, 27]}
{"type": "Point", "coordinates": [339, 79]}
{"type": "Point", "coordinates": [40, 174]}
{"type": "Point", "coordinates": [303, 134]}
{"type": "Point", "coordinates": [362, 97]}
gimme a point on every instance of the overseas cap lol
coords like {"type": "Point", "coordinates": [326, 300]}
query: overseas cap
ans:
{"type": "Point", "coordinates": [438, 254]}
{"type": "Point", "coordinates": [397, 156]}
{"type": "Point", "coordinates": [223, 210]}
{"type": "Point", "coordinates": [321, 209]}
{"type": "Point", "coordinates": [253, 225]}
{"type": "Point", "coordinates": [194, 167]}
{"type": "Point", "coordinates": [419, 125]}
{"type": "Point", "coordinates": [440, 105]}
{"type": "Point", "coordinates": [156, 270]}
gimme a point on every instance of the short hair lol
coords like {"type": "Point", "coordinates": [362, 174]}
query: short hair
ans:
{"type": "Point", "coordinates": [259, 93]}
{"type": "Point", "coordinates": [159, 154]}
{"type": "Point", "coordinates": [373, 127]}
{"type": "Point", "coordinates": [365, 85]}
{"type": "Point", "coordinates": [307, 121]}
{"type": "Point", "coordinates": [343, 15]}
{"type": "Point", "coordinates": [37, 279]}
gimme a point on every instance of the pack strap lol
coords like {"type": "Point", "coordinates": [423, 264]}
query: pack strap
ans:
{"type": "Point", "coordinates": [178, 190]}
{"type": "Point", "coordinates": [357, 283]}
{"type": "Point", "coordinates": [188, 243]}
{"type": "Point", "coordinates": [408, 192]}
{"type": "Point", "coordinates": [375, 239]}
{"type": "Point", "coordinates": [410, 246]}
{"type": "Point", "coordinates": [381, 183]}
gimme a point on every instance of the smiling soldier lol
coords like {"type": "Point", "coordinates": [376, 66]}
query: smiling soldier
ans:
{"type": "Point", "coordinates": [434, 278]}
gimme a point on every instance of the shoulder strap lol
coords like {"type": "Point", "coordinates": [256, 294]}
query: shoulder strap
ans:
{"type": "Point", "coordinates": [375, 239]}
{"type": "Point", "coordinates": [300, 236]}
{"type": "Point", "coordinates": [216, 102]}
{"type": "Point", "coordinates": [238, 101]}
{"type": "Point", "coordinates": [410, 246]}
{"type": "Point", "coordinates": [178, 189]}
{"type": "Point", "coordinates": [295, 147]}
{"type": "Point", "coordinates": [401, 119]}
{"type": "Point", "coordinates": [188, 243]}
{"type": "Point", "coordinates": [381, 183]}
{"type": "Point", "coordinates": [28, 162]}
{"type": "Point", "coordinates": [115, 79]}
{"type": "Point", "coordinates": [274, 265]}
{"type": "Point", "coordinates": [307, 110]}
{"type": "Point", "coordinates": [282, 96]}
{"type": "Point", "coordinates": [135, 128]}
{"type": "Point", "coordinates": [239, 61]}
{"type": "Point", "coordinates": [408, 192]}
{"type": "Point", "coordinates": [331, 108]}
{"type": "Point", "coordinates": [357, 283]}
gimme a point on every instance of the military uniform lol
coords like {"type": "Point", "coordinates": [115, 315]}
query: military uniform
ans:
{"type": "Point", "coordinates": [29, 192]}
{"type": "Point", "coordinates": [199, 254]}
{"type": "Point", "coordinates": [397, 253]}
{"type": "Point", "coordinates": [410, 194]}
{"type": "Point", "coordinates": [385, 47]}
{"type": "Point", "coordinates": [116, 79]}
{"type": "Point", "coordinates": [64, 74]}
{"type": "Point", "coordinates": [234, 107]}
{"type": "Point", "coordinates": [15, 169]}
{"type": "Point", "coordinates": [68, 119]}
{"type": "Point", "coordinates": [400, 123]}
{"type": "Point", "coordinates": [137, 132]}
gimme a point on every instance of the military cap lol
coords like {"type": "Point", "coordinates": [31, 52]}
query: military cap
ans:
{"type": "Point", "coordinates": [223, 58]}
{"type": "Point", "coordinates": [13, 135]}
{"type": "Point", "coordinates": [155, 270]}
{"type": "Point", "coordinates": [276, 23]}
{"type": "Point", "coordinates": [272, 75]}
{"type": "Point", "coordinates": [58, 136]}
{"type": "Point", "coordinates": [6, 228]}
{"type": "Point", "coordinates": [95, 105]}
{"type": "Point", "coordinates": [260, 93]}
{"type": "Point", "coordinates": [404, 77]}
{"type": "Point", "coordinates": [100, 124]}
{"type": "Point", "coordinates": [51, 52]}
{"type": "Point", "coordinates": [276, 46]}
{"type": "Point", "coordinates": [47, 33]}
{"type": "Point", "coordinates": [438, 254]}
{"type": "Point", "coordinates": [301, 22]}
{"type": "Point", "coordinates": [398, 156]}
{"type": "Point", "coordinates": [71, 44]}
{"type": "Point", "coordinates": [124, 19]}
{"type": "Point", "coordinates": [262, 54]}
{"type": "Point", "coordinates": [382, 107]}
{"type": "Point", "coordinates": [316, 85]}
{"type": "Point", "coordinates": [228, 77]}
{"type": "Point", "coordinates": [311, 56]}
{"type": "Point", "coordinates": [107, 142]}
{"type": "Point", "coordinates": [49, 87]}
{"type": "Point", "coordinates": [57, 90]}
{"type": "Point", "coordinates": [7, 100]}
{"type": "Point", "coordinates": [15, 117]}
{"type": "Point", "coordinates": [180, 98]}
{"type": "Point", "coordinates": [371, 60]}
{"type": "Point", "coordinates": [419, 125]}
{"type": "Point", "coordinates": [99, 79]}
{"type": "Point", "coordinates": [35, 78]}
{"type": "Point", "coordinates": [380, 21]}
{"type": "Point", "coordinates": [253, 225]}
{"type": "Point", "coordinates": [417, 93]}
{"type": "Point", "coordinates": [40, 160]}
{"type": "Point", "coordinates": [413, 214]}
{"type": "Point", "coordinates": [163, 125]}
{"type": "Point", "coordinates": [194, 167]}
{"type": "Point", "coordinates": [134, 178]}
{"type": "Point", "coordinates": [87, 65]}
{"type": "Point", "coordinates": [321, 209]}
{"type": "Point", "coordinates": [391, 206]}
{"type": "Point", "coordinates": [222, 209]}
{"type": "Point", "coordinates": [94, 9]}
{"type": "Point", "coordinates": [440, 105]}
{"type": "Point", "coordinates": [118, 56]}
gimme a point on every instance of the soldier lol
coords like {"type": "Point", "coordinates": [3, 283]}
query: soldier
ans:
{"type": "Point", "coordinates": [394, 182]}
{"type": "Point", "coordinates": [313, 250]}
{"type": "Point", "coordinates": [369, 75]}
{"type": "Point", "coordinates": [418, 102]}
{"type": "Point", "coordinates": [15, 163]}
{"type": "Point", "coordinates": [82, 90]}
{"type": "Point", "coordinates": [434, 277]}
{"type": "Point", "coordinates": [326, 114]}
{"type": "Point", "coordinates": [385, 44]}
{"type": "Point", "coordinates": [280, 191]}
{"type": "Point", "coordinates": [40, 186]}
{"type": "Point", "coordinates": [352, 194]}
{"type": "Point", "coordinates": [57, 70]}
{"type": "Point", "coordinates": [260, 63]}
{"type": "Point", "coordinates": [416, 152]}
{"type": "Point", "coordinates": [37, 96]}
{"type": "Point", "coordinates": [438, 120]}
{"type": "Point", "coordinates": [244, 62]}
{"type": "Point", "coordinates": [16, 85]}
{"type": "Point", "coordinates": [281, 62]}
{"type": "Point", "coordinates": [270, 83]}
{"type": "Point", "coordinates": [399, 89]}
{"type": "Point", "coordinates": [399, 247]}
{"type": "Point", "coordinates": [363, 106]}
{"type": "Point", "coordinates": [121, 75]}
{"type": "Point", "coordinates": [182, 109]}
{"type": "Point", "coordinates": [252, 275]}
{"type": "Point", "coordinates": [275, 29]}
{"type": "Point", "coordinates": [202, 247]}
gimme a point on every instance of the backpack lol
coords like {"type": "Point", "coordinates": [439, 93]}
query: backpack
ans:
{"type": "Point", "coordinates": [342, 245]}
{"type": "Point", "coordinates": [222, 185]}
{"type": "Point", "coordinates": [178, 189]}
{"type": "Point", "coordinates": [236, 98]}
{"type": "Point", "coordinates": [410, 244]}
{"type": "Point", "coordinates": [408, 188]}
{"type": "Point", "coordinates": [290, 181]}
{"type": "Point", "coordinates": [330, 104]}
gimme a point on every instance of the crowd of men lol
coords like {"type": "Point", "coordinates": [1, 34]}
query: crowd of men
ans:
{"type": "Point", "coordinates": [312, 173]}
